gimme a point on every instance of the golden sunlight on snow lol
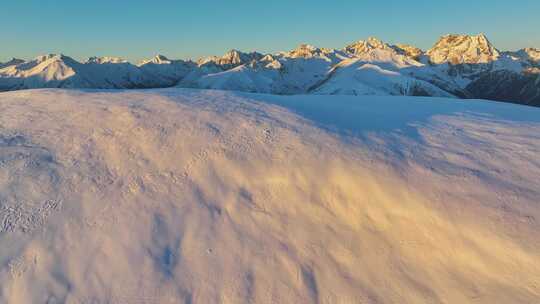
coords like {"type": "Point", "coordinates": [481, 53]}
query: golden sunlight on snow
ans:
{"type": "Point", "coordinates": [184, 196]}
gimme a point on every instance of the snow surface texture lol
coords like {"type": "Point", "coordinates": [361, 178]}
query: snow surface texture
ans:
{"type": "Point", "coordinates": [187, 196]}
{"type": "Point", "coordinates": [457, 66]}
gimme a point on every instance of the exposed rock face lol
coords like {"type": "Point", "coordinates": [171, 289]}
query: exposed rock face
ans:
{"type": "Point", "coordinates": [408, 50]}
{"type": "Point", "coordinates": [106, 59]}
{"type": "Point", "coordinates": [529, 54]}
{"type": "Point", "coordinates": [231, 59]}
{"type": "Point", "coordinates": [305, 51]}
{"type": "Point", "coordinates": [364, 46]}
{"type": "Point", "coordinates": [459, 49]}
{"type": "Point", "coordinates": [13, 61]}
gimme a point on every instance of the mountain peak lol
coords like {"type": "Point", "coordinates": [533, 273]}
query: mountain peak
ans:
{"type": "Point", "coordinates": [530, 54]}
{"type": "Point", "coordinates": [105, 59]}
{"type": "Point", "coordinates": [459, 49]}
{"type": "Point", "coordinates": [305, 50]}
{"type": "Point", "coordinates": [160, 59]}
{"type": "Point", "coordinates": [309, 51]}
{"type": "Point", "coordinates": [53, 58]}
{"type": "Point", "coordinates": [235, 56]}
{"type": "Point", "coordinates": [364, 46]}
{"type": "Point", "coordinates": [46, 57]}
{"type": "Point", "coordinates": [374, 41]}
{"type": "Point", "coordinates": [232, 58]}
{"type": "Point", "coordinates": [13, 61]}
{"type": "Point", "coordinates": [306, 46]}
{"type": "Point", "coordinates": [408, 50]}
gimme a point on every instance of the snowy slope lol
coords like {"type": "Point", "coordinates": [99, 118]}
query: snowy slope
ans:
{"type": "Point", "coordinates": [43, 71]}
{"type": "Point", "coordinates": [359, 77]}
{"type": "Point", "coordinates": [167, 72]}
{"type": "Point", "coordinates": [188, 196]}
{"type": "Point", "coordinates": [247, 78]}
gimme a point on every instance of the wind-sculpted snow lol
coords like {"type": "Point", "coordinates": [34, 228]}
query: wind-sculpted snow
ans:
{"type": "Point", "coordinates": [188, 196]}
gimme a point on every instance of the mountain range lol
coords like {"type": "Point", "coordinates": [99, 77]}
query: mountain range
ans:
{"type": "Point", "coordinates": [459, 66]}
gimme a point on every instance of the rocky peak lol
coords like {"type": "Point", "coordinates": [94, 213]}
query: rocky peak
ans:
{"type": "Point", "coordinates": [43, 58]}
{"type": "Point", "coordinates": [58, 59]}
{"type": "Point", "coordinates": [158, 59]}
{"type": "Point", "coordinates": [231, 59]}
{"type": "Point", "coordinates": [530, 54]}
{"type": "Point", "coordinates": [408, 50]}
{"type": "Point", "coordinates": [459, 49]}
{"type": "Point", "coordinates": [12, 62]}
{"type": "Point", "coordinates": [105, 60]}
{"type": "Point", "coordinates": [267, 58]}
{"type": "Point", "coordinates": [365, 46]}
{"type": "Point", "coordinates": [305, 51]}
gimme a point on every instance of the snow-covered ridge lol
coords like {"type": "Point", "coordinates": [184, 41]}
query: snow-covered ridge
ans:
{"type": "Point", "coordinates": [195, 196]}
{"type": "Point", "coordinates": [365, 46]}
{"type": "Point", "coordinates": [105, 60]}
{"type": "Point", "coordinates": [457, 65]}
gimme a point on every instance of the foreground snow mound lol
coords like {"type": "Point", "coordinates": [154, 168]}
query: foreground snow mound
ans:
{"type": "Point", "coordinates": [185, 196]}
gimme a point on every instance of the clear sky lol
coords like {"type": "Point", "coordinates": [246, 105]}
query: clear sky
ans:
{"type": "Point", "coordinates": [136, 29]}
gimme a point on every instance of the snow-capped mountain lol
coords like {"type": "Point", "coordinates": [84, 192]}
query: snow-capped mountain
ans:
{"type": "Point", "coordinates": [230, 60]}
{"type": "Point", "coordinates": [60, 71]}
{"type": "Point", "coordinates": [167, 72]}
{"type": "Point", "coordinates": [357, 77]}
{"type": "Point", "coordinates": [247, 78]}
{"type": "Point", "coordinates": [459, 49]}
{"type": "Point", "coordinates": [529, 54]}
{"type": "Point", "coordinates": [377, 68]}
{"type": "Point", "coordinates": [365, 46]}
{"type": "Point", "coordinates": [292, 72]}
{"type": "Point", "coordinates": [43, 71]}
{"type": "Point", "coordinates": [464, 66]}
{"type": "Point", "coordinates": [13, 61]}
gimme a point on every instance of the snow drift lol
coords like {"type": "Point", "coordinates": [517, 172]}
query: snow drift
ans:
{"type": "Point", "coordinates": [186, 196]}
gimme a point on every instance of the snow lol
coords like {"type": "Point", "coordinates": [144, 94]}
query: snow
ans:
{"type": "Point", "coordinates": [454, 67]}
{"type": "Point", "coordinates": [380, 72]}
{"type": "Point", "coordinates": [459, 49]}
{"type": "Point", "coordinates": [530, 54]}
{"type": "Point", "coordinates": [201, 196]}
{"type": "Point", "coordinates": [165, 71]}
{"type": "Point", "coordinates": [52, 71]}
{"type": "Point", "coordinates": [106, 59]}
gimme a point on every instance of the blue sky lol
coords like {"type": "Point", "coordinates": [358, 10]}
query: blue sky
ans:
{"type": "Point", "coordinates": [189, 29]}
